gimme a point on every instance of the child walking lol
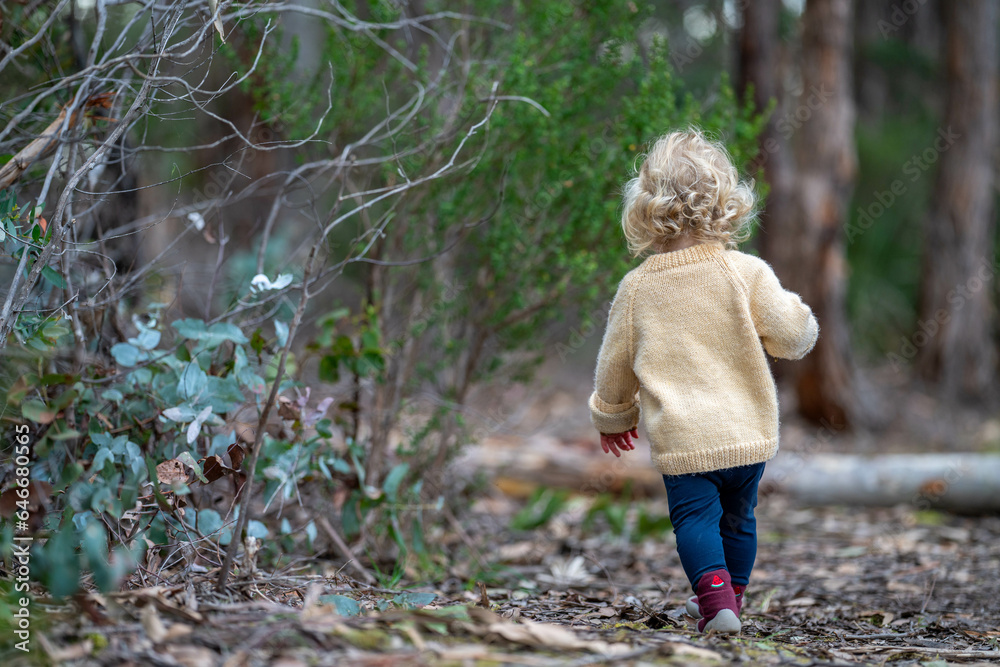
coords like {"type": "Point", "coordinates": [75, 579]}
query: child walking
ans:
{"type": "Point", "coordinates": [684, 345]}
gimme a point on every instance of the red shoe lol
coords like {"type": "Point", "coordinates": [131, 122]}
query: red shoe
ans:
{"type": "Point", "coordinates": [717, 603]}
{"type": "Point", "coordinates": [691, 606]}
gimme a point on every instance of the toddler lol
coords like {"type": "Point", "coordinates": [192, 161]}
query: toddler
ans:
{"type": "Point", "coordinates": [684, 343]}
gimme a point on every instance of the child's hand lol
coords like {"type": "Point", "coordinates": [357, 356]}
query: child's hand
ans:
{"type": "Point", "coordinates": [611, 443]}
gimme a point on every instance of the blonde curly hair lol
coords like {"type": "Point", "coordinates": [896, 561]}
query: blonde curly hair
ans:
{"type": "Point", "coordinates": [687, 185]}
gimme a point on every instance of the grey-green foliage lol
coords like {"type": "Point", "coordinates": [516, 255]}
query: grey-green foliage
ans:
{"type": "Point", "coordinates": [98, 435]}
{"type": "Point", "coordinates": [527, 235]}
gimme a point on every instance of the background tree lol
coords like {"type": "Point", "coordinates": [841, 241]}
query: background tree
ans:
{"type": "Point", "coordinates": [957, 308]}
{"type": "Point", "coordinates": [762, 66]}
{"type": "Point", "coordinates": [827, 165]}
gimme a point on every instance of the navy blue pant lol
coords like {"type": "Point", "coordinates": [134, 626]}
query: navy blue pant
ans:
{"type": "Point", "coordinates": [712, 514]}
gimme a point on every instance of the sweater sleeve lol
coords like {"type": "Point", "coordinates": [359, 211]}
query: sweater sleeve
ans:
{"type": "Point", "coordinates": [786, 326]}
{"type": "Point", "coordinates": [614, 407]}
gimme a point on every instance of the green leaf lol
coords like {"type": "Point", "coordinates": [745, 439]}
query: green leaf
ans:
{"type": "Point", "coordinates": [69, 474]}
{"type": "Point", "coordinates": [369, 340]}
{"type": "Point", "coordinates": [257, 341]}
{"type": "Point", "coordinates": [615, 514]}
{"type": "Point", "coordinates": [180, 413]}
{"type": "Point", "coordinates": [193, 381]}
{"type": "Point", "coordinates": [329, 368]}
{"type": "Point", "coordinates": [188, 460]}
{"type": "Point", "coordinates": [337, 314]}
{"type": "Point", "coordinates": [544, 504]}
{"type": "Point", "coordinates": [224, 394]}
{"type": "Point", "coordinates": [59, 566]}
{"type": "Point", "coordinates": [281, 331]}
{"type": "Point", "coordinates": [256, 529]}
{"type": "Point", "coordinates": [147, 339]}
{"type": "Point", "coordinates": [208, 521]}
{"type": "Point", "coordinates": [342, 347]}
{"type": "Point", "coordinates": [112, 395]}
{"type": "Point", "coordinates": [37, 412]}
{"type": "Point", "coordinates": [212, 336]}
{"type": "Point", "coordinates": [134, 459]}
{"type": "Point", "coordinates": [125, 354]}
{"type": "Point", "coordinates": [64, 433]}
{"type": "Point", "coordinates": [411, 599]}
{"type": "Point", "coordinates": [349, 520]}
{"type": "Point", "coordinates": [344, 605]}
{"type": "Point", "coordinates": [393, 479]}
{"type": "Point", "coordinates": [102, 457]}
{"type": "Point", "coordinates": [311, 532]}
{"type": "Point", "coordinates": [53, 277]}
{"type": "Point", "coordinates": [649, 524]}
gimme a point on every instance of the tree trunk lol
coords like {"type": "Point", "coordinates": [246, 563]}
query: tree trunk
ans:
{"type": "Point", "coordinates": [761, 67]}
{"type": "Point", "coordinates": [871, 82]}
{"type": "Point", "coordinates": [953, 340]}
{"type": "Point", "coordinates": [827, 165]}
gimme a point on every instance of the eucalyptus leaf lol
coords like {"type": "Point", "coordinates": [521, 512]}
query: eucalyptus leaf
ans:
{"type": "Point", "coordinates": [194, 428]}
{"type": "Point", "coordinates": [311, 532]}
{"type": "Point", "coordinates": [210, 336]}
{"type": "Point", "coordinates": [393, 480]}
{"type": "Point", "coordinates": [281, 331]}
{"type": "Point", "coordinates": [208, 521]}
{"type": "Point", "coordinates": [112, 395]}
{"type": "Point", "coordinates": [134, 458]}
{"type": "Point", "coordinates": [193, 381]}
{"type": "Point", "coordinates": [414, 599]}
{"type": "Point", "coordinates": [223, 393]}
{"type": "Point", "coordinates": [81, 519]}
{"type": "Point", "coordinates": [53, 277]}
{"type": "Point", "coordinates": [188, 460]}
{"type": "Point", "coordinates": [180, 413]}
{"type": "Point", "coordinates": [147, 339]}
{"type": "Point", "coordinates": [256, 529]}
{"type": "Point", "coordinates": [125, 354]}
{"type": "Point", "coordinates": [102, 457]}
{"type": "Point", "coordinates": [344, 605]}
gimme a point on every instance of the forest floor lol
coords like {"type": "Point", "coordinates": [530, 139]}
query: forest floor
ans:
{"type": "Point", "coordinates": [529, 575]}
{"type": "Point", "coordinates": [831, 587]}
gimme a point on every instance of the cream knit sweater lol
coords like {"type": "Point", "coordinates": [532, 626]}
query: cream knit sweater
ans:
{"type": "Point", "coordinates": [683, 341]}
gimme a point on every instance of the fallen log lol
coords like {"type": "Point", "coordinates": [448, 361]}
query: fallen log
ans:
{"type": "Point", "coordinates": [958, 482]}
{"type": "Point", "coordinates": [518, 466]}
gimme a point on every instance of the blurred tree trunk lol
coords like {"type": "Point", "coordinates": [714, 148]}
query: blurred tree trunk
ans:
{"type": "Point", "coordinates": [957, 318]}
{"type": "Point", "coordinates": [887, 32]}
{"type": "Point", "coordinates": [827, 165]}
{"type": "Point", "coordinates": [760, 66]}
{"type": "Point", "coordinates": [871, 84]}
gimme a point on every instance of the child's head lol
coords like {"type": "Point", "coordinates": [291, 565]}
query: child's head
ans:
{"type": "Point", "coordinates": [687, 185]}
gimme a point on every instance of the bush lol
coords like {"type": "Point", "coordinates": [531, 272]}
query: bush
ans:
{"type": "Point", "coordinates": [502, 223]}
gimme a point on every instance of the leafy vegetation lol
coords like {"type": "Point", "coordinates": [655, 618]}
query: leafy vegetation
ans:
{"type": "Point", "coordinates": [143, 431]}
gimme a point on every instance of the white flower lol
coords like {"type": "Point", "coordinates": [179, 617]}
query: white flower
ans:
{"type": "Point", "coordinates": [566, 572]}
{"type": "Point", "coordinates": [195, 219]}
{"type": "Point", "coordinates": [261, 283]}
